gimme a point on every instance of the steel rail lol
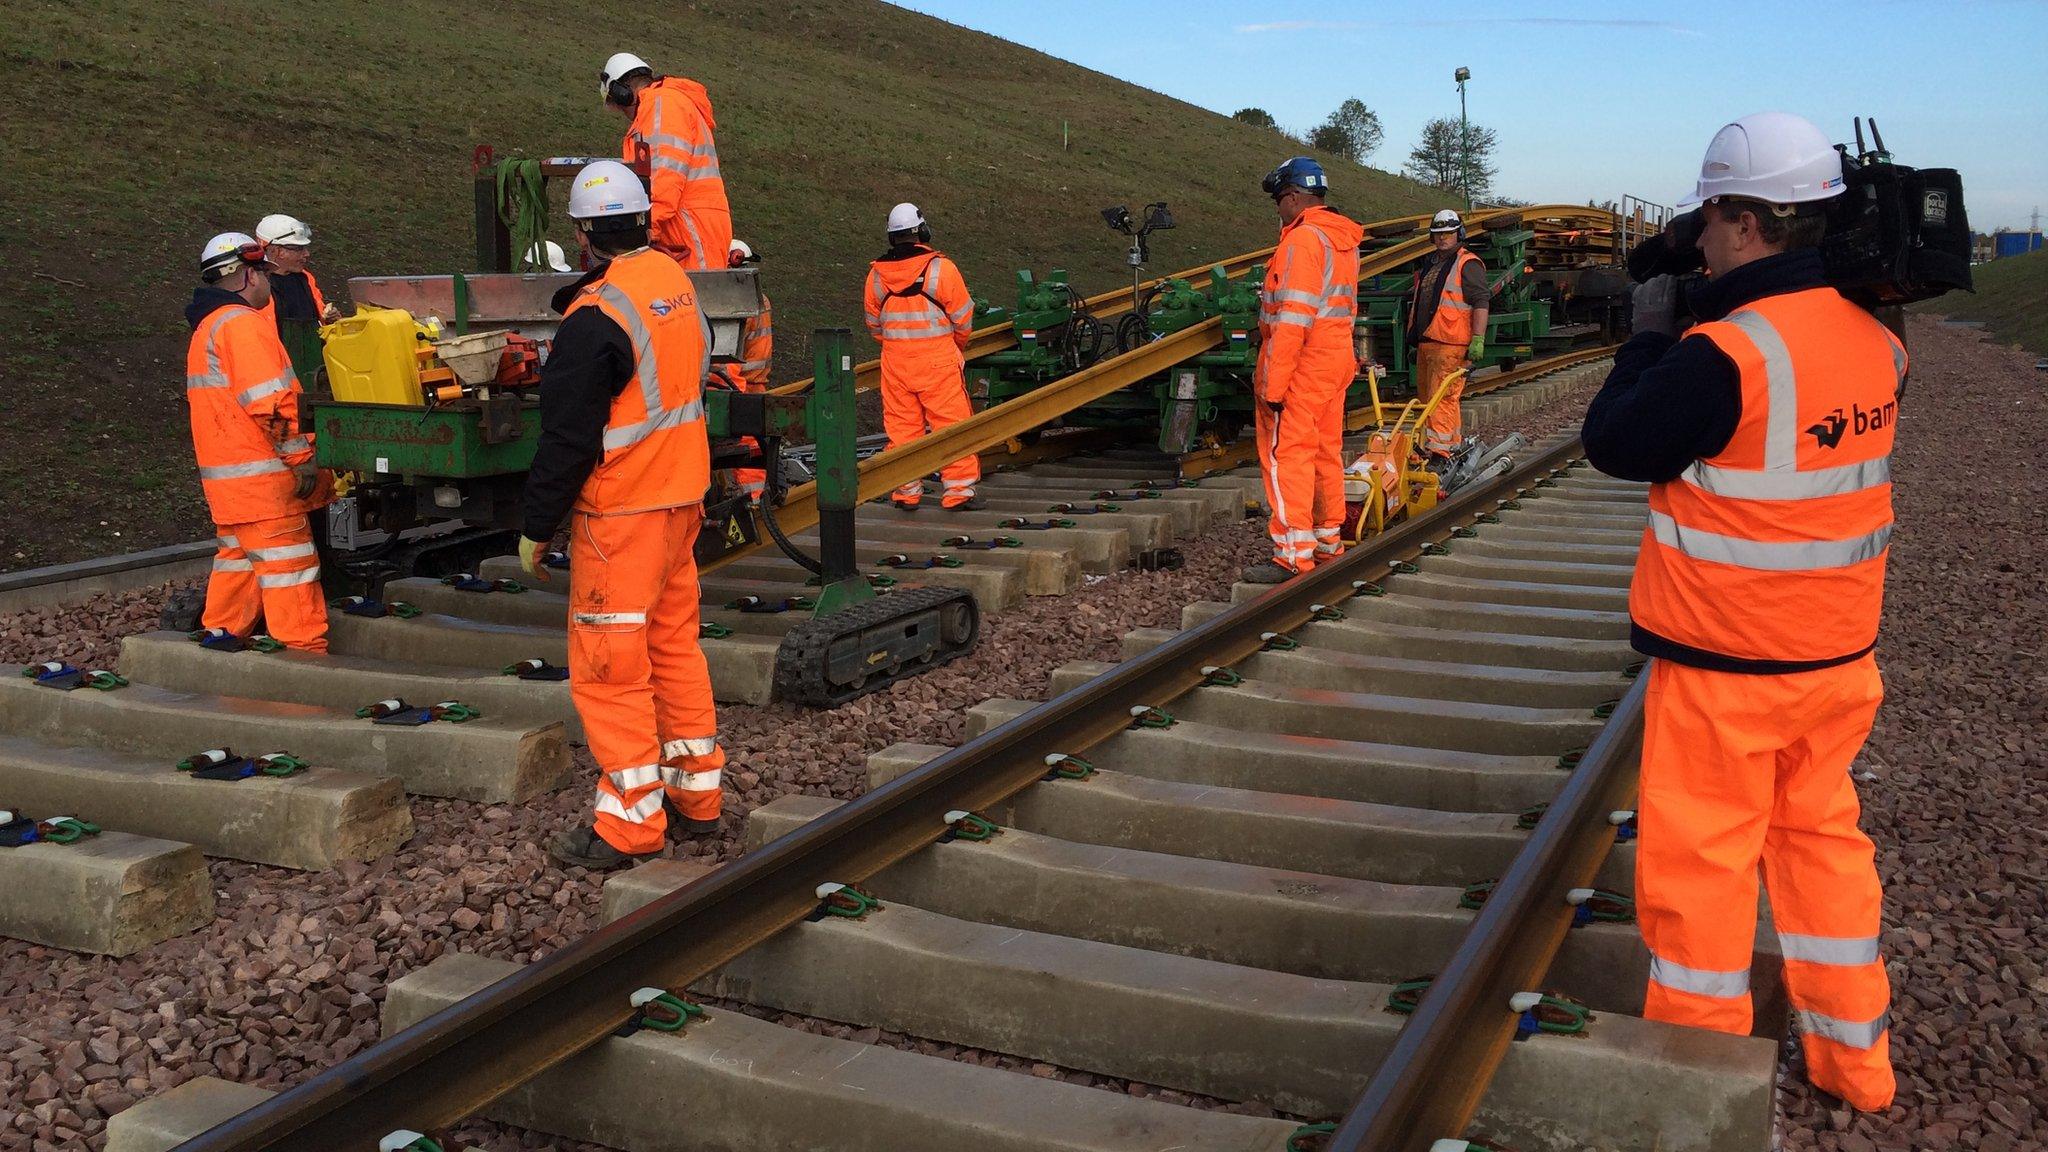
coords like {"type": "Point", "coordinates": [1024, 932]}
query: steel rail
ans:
{"type": "Point", "coordinates": [456, 1062]}
{"type": "Point", "coordinates": [1035, 409]}
{"type": "Point", "coordinates": [1544, 367]}
{"type": "Point", "coordinates": [1432, 1080]}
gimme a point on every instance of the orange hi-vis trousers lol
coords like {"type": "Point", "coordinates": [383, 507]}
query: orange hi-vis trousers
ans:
{"type": "Point", "coordinates": [1301, 460]}
{"type": "Point", "coordinates": [926, 391]}
{"type": "Point", "coordinates": [1446, 427]}
{"type": "Point", "coordinates": [269, 568]}
{"type": "Point", "coordinates": [637, 672]}
{"type": "Point", "coordinates": [1739, 769]}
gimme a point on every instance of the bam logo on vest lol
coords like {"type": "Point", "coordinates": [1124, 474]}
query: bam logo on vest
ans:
{"type": "Point", "coordinates": [1829, 431]}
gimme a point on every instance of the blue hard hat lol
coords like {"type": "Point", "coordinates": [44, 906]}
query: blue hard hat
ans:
{"type": "Point", "coordinates": [1300, 172]}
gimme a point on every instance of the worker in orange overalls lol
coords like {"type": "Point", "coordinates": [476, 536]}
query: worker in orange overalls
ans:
{"type": "Point", "coordinates": [623, 444]}
{"type": "Point", "coordinates": [294, 293]}
{"type": "Point", "coordinates": [1447, 328]}
{"type": "Point", "coordinates": [757, 352]}
{"type": "Point", "coordinates": [1306, 364]}
{"type": "Point", "coordinates": [1767, 435]}
{"type": "Point", "coordinates": [918, 307]}
{"type": "Point", "coordinates": [671, 133]}
{"type": "Point", "coordinates": [255, 465]}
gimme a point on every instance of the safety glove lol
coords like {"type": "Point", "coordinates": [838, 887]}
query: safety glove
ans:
{"type": "Point", "coordinates": [1476, 348]}
{"type": "Point", "coordinates": [305, 477]}
{"type": "Point", "coordinates": [531, 553]}
{"type": "Point", "coordinates": [1654, 305]}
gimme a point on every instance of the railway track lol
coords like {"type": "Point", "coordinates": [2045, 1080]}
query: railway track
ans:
{"type": "Point", "coordinates": [1207, 868]}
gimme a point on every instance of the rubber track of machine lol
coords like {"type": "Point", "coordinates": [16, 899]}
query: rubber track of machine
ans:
{"type": "Point", "coordinates": [801, 662]}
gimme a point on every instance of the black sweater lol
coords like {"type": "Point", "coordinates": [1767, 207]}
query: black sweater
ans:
{"type": "Point", "coordinates": [589, 365]}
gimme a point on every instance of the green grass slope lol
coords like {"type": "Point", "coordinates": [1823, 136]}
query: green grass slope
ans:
{"type": "Point", "coordinates": [134, 130]}
{"type": "Point", "coordinates": [2011, 300]}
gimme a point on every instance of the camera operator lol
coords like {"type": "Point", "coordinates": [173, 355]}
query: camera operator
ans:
{"type": "Point", "coordinates": [1766, 434]}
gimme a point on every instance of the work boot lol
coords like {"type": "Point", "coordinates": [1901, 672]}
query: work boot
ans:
{"type": "Point", "coordinates": [682, 823]}
{"type": "Point", "coordinates": [584, 848]}
{"type": "Point", "coordinates": [1268, 572]}
{"type": "Point", "coordinates": [971, 504]}
{"type": "Point", "coordinates": [903, 505]}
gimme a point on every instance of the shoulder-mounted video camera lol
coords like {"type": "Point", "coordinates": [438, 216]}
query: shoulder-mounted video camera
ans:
{"type": "Point", "coordinates": [1894, 236]}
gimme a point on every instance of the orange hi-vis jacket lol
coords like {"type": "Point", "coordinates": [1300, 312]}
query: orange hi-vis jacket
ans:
{"type": "Point", "coordinates": [244, 400]}
{"type": "Point", "coordinates": [1307, 307]}
{"type": "Point", "coordinates": [919, 308]}
{"type": "Point", "coordinates": [1771, 553]}
{"type": "Point", "coordinates": [656, 451]}
{"type": "Point", "coordinates": [757, 347]}
{"type": "Point", "coordinates": [671, 132]}
{"type": "Point", "coordinates": [319, 301]}
{"type": "Point", "coordinates": [1452, 323]}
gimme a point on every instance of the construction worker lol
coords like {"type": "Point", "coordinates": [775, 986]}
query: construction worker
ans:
{"type": "Point", "coordinates": [757, 352]}
{"type": "Point", "coordinates": [1306, 363]}
{"type": "Point", "coordinates": [670, 132]}
{"type": "Point", "coordinates": [1447, 328]}
{"type": "Point", "coordinates": [255, 465]}
{"type": "Point", "coordinates": [1766, 433]}
{"type": "Point", "coordinates": [623, 454]}
{"type": "Point", "coordinates": [294, 294]}
{"type": "Point", "coordinates": [918, 307]}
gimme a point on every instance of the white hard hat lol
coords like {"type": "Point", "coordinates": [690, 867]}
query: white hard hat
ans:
{"type": "Point", "coordinates": [739, 253]}
{"type": "Point", "coordinates": [290, 231]}
{"type": "Point", "coordinates": [606, 188]}
{"type": "Point", "coordinates": [228, 250]}
{"type": "Point", "coordinates": [554, 259]}
{"type": "Point", "coordinates": [905, 218]}
{"type": "Point", "coordinates": [620, 66]}
{"type": "Point", "coordinates": [1774, 157]}
{"type": "Point", "coordinates": [1445, 221]}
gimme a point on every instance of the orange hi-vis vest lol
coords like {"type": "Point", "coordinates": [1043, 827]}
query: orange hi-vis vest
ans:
{"type": "Point", "coordinates": [1452, 323]}
{"type": "Point", "coordinates": [656, 451]}
{"type": "Point", "coordinates": [1307, 306]}
{"type": "Point", "coordinates": [671, 131]}
{"type": "Point", "coordinates": [919, 308]}
{"type": "Point", "coordinates": [244, 400]}
{"type": "Point", "coordinates": [1770, 554]}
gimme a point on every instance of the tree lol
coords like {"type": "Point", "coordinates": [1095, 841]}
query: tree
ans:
{"type": "Point", "coordinates": [1256, 117]}
{"type": "Point", "coordinates": [1448, 159]}
{"type": "Point", "coordinates": [1353, 131]}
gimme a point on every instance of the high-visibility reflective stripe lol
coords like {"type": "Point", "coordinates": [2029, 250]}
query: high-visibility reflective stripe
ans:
{"type": "Point", "coordinates": [1898, 357]}
{"type": "Point", "coordinates": [630, 434]}
{"type": "Point", "coordinates": [643, 345]}
{"type": "Point", "coordinates": [752, 365]}
{"type": "Point", "coordinates": [1781, 424]}
{"type": "Point", "coordinates": [1699, 981]}
{"type": "Point", "coordinates": [242, 471]}
{"type": "Point", "coordinates": [903, 315]}
{"type": "Point", "coordinates": [270, 387]}
{"type": "Point", "coordinates": [706, 781]}
{"type": "Point", "coordinates": [689, 746]}
{"type": "Point", "coordinates": [1747, 484]}
{"type": "Point", "coordinates": [229, 541]}
{"type": "Point", "coordinates": [288, 552]}
{"type": "Point", "coordinates": [924, 333]}
{"type": "Point", "coordinates": [288, 579]}
{"type": "Point", "coordinates": [205, 380]}
{"type": "Point", "coordinates": [213, 377]}
{"type": "Point", "coordinates": [1769, 555]}
{"type": "Point", "coordinates": [1854, 1033]}
{"type": "Point", "coordinates": [294, 444]}
{"type": "Point", "coordinates": [598, 619]}
{"type": "Point", "coordinates": [610, 805]}
{"type": "Point", "coordinates": [753, 487]}
{"type": "Point", "coordinates": [1295, 296]}
{"type": "Point", "coordinates": [220, 565]}
{"type": "Point", "coordinates": [1454, 305]}
{"type": "Point", "coordinates": [689, 220]}
{"type": "Point", "coordinates": [961, 313]}
{"type": "Point", "coordinates": [1294, 318]}
{"type": "Point", "coordinates": [959, 486]}
{"type": "Point", "coordinates": [1840, 950]}
{"type": "Point", "coordinates": [627, 779]}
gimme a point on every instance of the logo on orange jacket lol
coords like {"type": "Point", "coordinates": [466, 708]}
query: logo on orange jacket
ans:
{"type": "Point", "coordinates": [1829, 431]}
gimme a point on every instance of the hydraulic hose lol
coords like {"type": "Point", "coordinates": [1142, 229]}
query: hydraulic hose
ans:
{"type": "Point", "coordinates": [771, 460]}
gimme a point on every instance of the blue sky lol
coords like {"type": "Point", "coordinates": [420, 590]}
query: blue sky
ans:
{"type": "Point", "coordinates": [1595, 101]}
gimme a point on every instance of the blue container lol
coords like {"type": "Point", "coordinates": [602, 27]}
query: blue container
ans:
{"type": "Point", "coordinates": [2014, 244]}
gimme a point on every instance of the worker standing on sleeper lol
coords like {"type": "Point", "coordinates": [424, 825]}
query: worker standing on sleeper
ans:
{"type": "Point", "coordinates": [1447, 328]}
{"type": "Point", "coordinates": [255, 465]}
{"type": "Point", "coordinates": [757, 353]}
{"type": "Point", "coordinates": [670, 132]}
{"type": "Point", "coordinates": [1766, 435]}
{"type": "Point", "coordinates": [918, 307]}
{"type": "Point", "coordinates": [1307, 360]}
{"type": "Point", "coordinates": [623, 453]}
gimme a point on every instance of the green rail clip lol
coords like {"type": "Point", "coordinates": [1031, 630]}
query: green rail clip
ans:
{"type": "Point", "coordinates": [455, 712]}
{"type": "Point", "coordinates": [1475, 895]}
{"type": "Point", "coordinates": [664, 1011]}
{"type": "Point", "coordinates": [1531, 815]}
{"type": "Point", "coordinates": [104, 681]}
{"type": "Point", "coordinates": [713, 631]}
{"type": "Point", "coordinates": [1324, 612]}
{"type": "Point", "coordinates": [281, 764]}
{"type": "Point", "coordinates": [845, 900]}
{"type": "Point", "coordinates": [1570, 760]}
{"type": "Point", "coordinates": [1634, 670]}
{"type": "Point", "coordinates": [1403, 568]}
{"type": "Point", "coordinates": [1214, 677]}
{"type": "Point", "coordinates": [1603, 711]}
{"type": "Point", "coordinates": [1512, 505]}
{"type": "Point", "coordinates": [1434, 549]}
{"type": "Point", "coordinates": [1366, 588]}
{"type": "Point", "coordinates": [1060, 766]}
{"type": "Point", "coordinates": [1403, 998]}
{"type": "Point", "coordinates": [407, 1141]}
{"type": "Point", "coordinates": [1311, 1137]}
{"type": "Point", "coordinates": [1464, 532]}
{"type": "Point", "coordinates": [403, 609]}
{"type": "Point", "coordinates": [262, 643]}
{"type": "Point", "coordinates": [1555, 1015]}
{"type": "Point", "coordinates": [1278, 642]}
{"type": "Point", "coordinates": [1487, 518]}
{"type": "Point", "coordinates": [1599, 906]}
{"type": "Point", "coordinates": [1146, 716]}
{"type": "Point", "coordinates": [65, 829]}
